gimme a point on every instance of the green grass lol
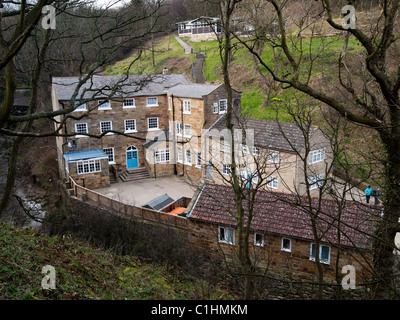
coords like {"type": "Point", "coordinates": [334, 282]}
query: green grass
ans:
{"type": "Point", "coordinates": [167, 48]}
{"type": "Point", "coordinates": [84, 272]}
{"type": "Point", "coordinates": [243, 73]}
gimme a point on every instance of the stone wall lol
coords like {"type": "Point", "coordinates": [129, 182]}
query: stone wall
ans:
{"type": "Point", "coordinates": [295, 263]}
{"type": "Point", "coordinates": [91, 180]}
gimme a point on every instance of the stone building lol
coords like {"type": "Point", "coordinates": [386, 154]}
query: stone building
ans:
{"type": "Point", "coordinates": [135, 106]}
{"type": "Point", "coordinates": [281, 234]}
{"type": "Point", "coordinates": [270, 150]}
{"type": "Point", "coordinates": [147, 111]}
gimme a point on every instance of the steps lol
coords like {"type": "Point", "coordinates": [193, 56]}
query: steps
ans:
{"type": "Point", "coordinates": [197, 68]}
{"type": "Point", "coordinates": [135, 175]}
{"type": "Point", "coordinates": [113, 178]}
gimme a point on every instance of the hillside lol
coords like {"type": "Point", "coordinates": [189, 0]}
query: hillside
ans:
{"type": "Point", "coordinates": [246, 76]}
{"type": "Point", "coordinates": [84, 272]}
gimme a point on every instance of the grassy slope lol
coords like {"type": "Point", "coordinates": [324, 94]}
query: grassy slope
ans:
{"type": "Point", "coordinates": [244, 74]}
{"type": "Point", "coordinates": [83, 272]}
{"type": "Point", "coordinates": [168, 52]}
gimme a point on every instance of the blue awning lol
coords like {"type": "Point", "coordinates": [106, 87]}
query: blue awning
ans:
{"type": "Point", "coordinates": [85, 155]}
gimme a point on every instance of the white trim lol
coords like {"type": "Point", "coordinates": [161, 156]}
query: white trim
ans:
{"type": "Point", "coordinates": [164, 152]}
{"type": "Point", "coordinates": [270, 182]}
{"type": "Point", "coordinates": [109, 133]}
{"type": "Point", "coordinates": [104, 102]}
{"type": "Point", "coordinates": [153, 129]}
{"type": "Point", "coordinates": [87, 130]}
{"type": "Point", "coordinates": [77, 106]}
{"type": "Point", "coordinates": [316, 156]}
{"type": "Point", "coordinates": [151, 105]}
{"type": "Point", "coordinates": [231, 230]}
{"type": "Point", "coordinates": [186, 157]}
{"type": "Point", "coordinates": [184, 131]}
{"type": "Point", "coordinates": [130, 106]}
{"type": "Point", "coordinates": [285, 249]}
{"type": "Point", "coordinates": [320, 252]}
{"type": "Point", "coordinates": [181, 154]}
{"type": "Point", "coordinates": [184, 107]}
{"type": "Point", "coordinates": [227, 166]}
{"type": "Point", "coordinates": [262, 239]}
{"type": "Point", "coordinates": [129, 131]}
{"type": "Point", "coordinates": [113, 155]}
{"type": "Point", "coordinates": [219, 106]}
{"type": "Point", "coordinates": [88, 162]}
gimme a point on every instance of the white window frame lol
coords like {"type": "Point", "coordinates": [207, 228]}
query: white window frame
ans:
{"type": "Point", "coordinates": [290, 245]}
{"type": "Point", "coordinates": [187, 128]}
{"type": "Point", "coordinates": [225, 146]}
{"type": "Point", "coordinates": [222, 235]}
{"type": "Point", "coordinates": [188, 156]}
{"type": "Point", "coordinates": [130, 130]}
{"type": "Point", "coordinates": [86, 166]}
{"type": "Point", "coordinates": [80, 107]}
{"type": "Point", "coordinates": [131, 104]}
{"type": "Point", "coordinates": [161, 156]}
{"type": "Point", "coordinates": [273, 156]}
{"type": "Point", "coordinates": [198, 159]}
{"type": "Point", "coordinates": [169, 103]}
{"type": "Point", "coordinates": [255, 151]}
{"type": "Point", "coordinates": [101, 129]}
{"type": "Point", "coordinates": [215, 107]}
{"type": "Point", "coordinates": [316, 156]}
{"type": "Point", "coordinates": [148, 124]}
{"type": "Point", "coordinates": [226, 106]}
{"type": "Point", "coordinates": [179, 129]}
{"type": "Point", "coordinates": [179, 155]}
{"type": "Point", "coordinates": [151, 104]}
{"type": "Point", "coordinates": [312, 258]}
{"type": "Point", "coordinates": [76, 130]}
{"type": "Point", "coordinates": [255, 239]}
{"type": "Point", "coordinates": [316, 182]}
{"type": "Point", "coordinates": [243, 148]}
{"type": "Point", "coordinates": [104, 105]}
{"type": "Point", "coordinates": [187, 109]}
{"type": "Point", "coordinates": [110, 155]}
{"type": "Point", "coordinates": [226, 169]}
{"type": "Point", "coordinates": [272, 182]}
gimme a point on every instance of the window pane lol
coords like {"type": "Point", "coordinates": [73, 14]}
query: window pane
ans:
{"type": "Point", "coordinates": [313, 250]}
{"type": "Point", "coordinates": [325, 253]}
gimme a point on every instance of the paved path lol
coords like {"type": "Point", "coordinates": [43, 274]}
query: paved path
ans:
{"type": "Point", "coordinates": [142, 191]}
{"type": "Point", "coordinates": [187, 48]}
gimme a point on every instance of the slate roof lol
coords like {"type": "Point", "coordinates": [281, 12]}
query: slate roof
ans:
{"type": "Point", "coordinates": [268, 134]}
{"type": "Point", "coordinates": [275, 213]}
{"type": "Point", "coordinates": [159, 203]}
{"type": "Point", "coordinates": [192, 90]}
{"type": "Point", "coordinates": [85, 155]}
{"type": "Point", "coordinates": [130, 86]}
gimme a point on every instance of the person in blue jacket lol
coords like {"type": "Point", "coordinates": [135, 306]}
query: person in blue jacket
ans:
{"type": "Point", "coordinates": [368, 192]}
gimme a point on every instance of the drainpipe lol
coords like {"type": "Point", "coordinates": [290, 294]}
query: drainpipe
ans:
{"type": "Point", "coordinates": [173, 134]}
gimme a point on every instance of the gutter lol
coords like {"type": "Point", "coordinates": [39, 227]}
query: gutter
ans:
{"type": "Point", "coordinates": [191, 207]}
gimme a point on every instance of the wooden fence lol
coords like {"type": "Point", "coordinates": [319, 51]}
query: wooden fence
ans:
{"type": "Point", "coordinates": [128, 210]}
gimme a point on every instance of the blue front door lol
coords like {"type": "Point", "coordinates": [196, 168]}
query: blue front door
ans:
{"type": "Point", "coordinates": [132, 159]}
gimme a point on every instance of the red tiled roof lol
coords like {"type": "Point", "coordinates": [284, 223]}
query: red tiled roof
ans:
{"type": "Point", "coordinates": [286, 215]}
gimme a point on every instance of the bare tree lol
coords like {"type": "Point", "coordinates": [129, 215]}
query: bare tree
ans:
{"type": "Point", "coordinates": [94, 47]}
{"type": "Point", "coordinates": [366, 93]}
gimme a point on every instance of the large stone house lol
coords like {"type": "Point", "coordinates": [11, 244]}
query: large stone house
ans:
{"type": "Point", "coordinates": [157, 117]}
